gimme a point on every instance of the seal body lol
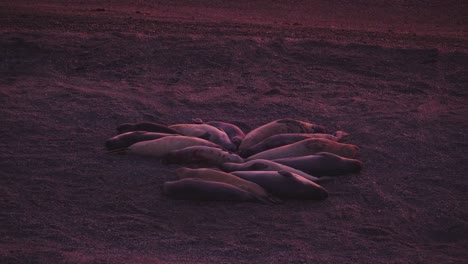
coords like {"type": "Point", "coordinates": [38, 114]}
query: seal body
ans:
{"type": "Point", "coordinates": [202, 154]}
{"type": "Point", "coordinates": [285, 184]}
{"type": "Point", "coordinates": [126, 139]}
{"type": "Point", "coordinates": [207, 132]}
{"type": "Point", "coordinates": [308, 147]}
{"type": "Point", "coordinates": [286, 139]}
{"type": "Point", "coordinates": [145, 126]}
{"type": "Point", "coordinates": [199, 189]}
{"type": "Point", "coordinates": [278, 127]}
{"type": "Point", "coordinates": [162, 146]}
{"type": "Point", "coordinates": [221, 176]}
{"type": "Point", "coordinates": [265, 165]}
{"type": "Point", "coordinates": [322, 164]}
{"type": "Point", "coordinates": [235, 134]}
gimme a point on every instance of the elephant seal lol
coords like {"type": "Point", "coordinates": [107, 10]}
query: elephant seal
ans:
{"type": "Point", "coordinates": [145, 126]}
{"type": "Point", "coordinates": [162, 146]}
{"type": "Point", "coordinates": [126, 139]}
{"type": "Point", "coordinates": [285, 184]}
{"type": "Point", "coordinates": [265, 165]}
{"type": "Point", "coordinates": [308, 147]}
{"type": "Point", "coordinates": [203, 190]}
{"type": "Point", "coordinates": [235, 134]}
{"type": "Point", "coordinates": [221, 176]}
{"type": "Point", "coordinates": [202, 154]}
{"type": "Point", "coordinates": [280, 126]}
{"type": "Point", "coordinates": [322, 164]}
{"type": "Point", "coordinates": [207, 132]}
{"type": "Point", "coordinates": [287, 138]}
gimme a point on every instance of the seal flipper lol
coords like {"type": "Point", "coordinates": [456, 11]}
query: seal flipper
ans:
{"type": "Point", "coordinates": [197, 121]}
{"type": "Point", "coordinates": [340, 135]}
{"type": "Point", "coordinates": [286, 174]}
{"type": "Point", "coordinates": [205, 136]}
{"type": "Point", "coordinates": [325, 179]}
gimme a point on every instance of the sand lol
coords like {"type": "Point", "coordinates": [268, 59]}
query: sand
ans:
{"type": "Point", "coordinates": [394, 76]}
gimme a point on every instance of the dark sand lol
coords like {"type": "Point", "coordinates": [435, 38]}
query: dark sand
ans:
{"type": "Point", "coordinates": [394, 76]}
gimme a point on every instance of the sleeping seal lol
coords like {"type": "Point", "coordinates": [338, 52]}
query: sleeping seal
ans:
{"type": "Point", "coordinates": [202, 154]}
{"type": "Point", "coordinates": [126, 139]}
{"type": "Point", "coordinates": [265, 165]}
{"type": "Point", "coordinates": [322, 164]}
{"type": "Point", "coordinates": [285, 184]}
{"type": "Point", "coordinates": [287, 138]}
{"type": "Point", "coordinates": [308, 147]}
{"type": "Point", "coordinates": [207, 132]}
{"type": "Point", "coordinates": [280, 126]}
{"type": "Point", "coordinates": [145, 126]}
{"type": "Point", "coordinates": [203, 190]}
{"type": "Point", "coordinates": [162, 146]}
{"type": "Point", "coordinates": [221, 176]}
{"type": "Point", "coordinates": [235, 134]}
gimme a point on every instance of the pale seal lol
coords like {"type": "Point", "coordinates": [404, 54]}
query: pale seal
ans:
{"type": "Point", "coordinates": [221, 176]}
{"type": "Point", "coordinates": [199, 189]}
{"type": "Point", "coordinates": [285, 184]}
{"type": "Point", "coordinates": [286, 139]}
{"type": "Point", "coordinates": [162, 146]}
{"type": "Point", "coordinates": [126, 139]}
{"type": "Point", "coordinates": [265, 165]}
{"type": "Point", "coordinates": [145, 126]}
{"type": "Point", "coordinates": [322, 164]}
{"type": "Point", "coordinates": [308, 147]}
{"type": "Point", "coordinates": [235, 134]}
{"type": "Point", "coordinates": [280, 126]}
{"type": "Point", "coordinates": [202, 154]}
{"type": "Point", "coordinates": [207, 132]}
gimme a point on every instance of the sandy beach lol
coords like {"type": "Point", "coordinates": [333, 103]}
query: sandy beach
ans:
{"type": "Point", "coordinates": [393, 76]}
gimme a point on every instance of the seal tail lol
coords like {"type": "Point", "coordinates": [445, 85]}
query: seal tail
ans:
{"type": "Point", "coordinates": [340, 135]}
{"type": "Point", "coordinates": [325, 179]}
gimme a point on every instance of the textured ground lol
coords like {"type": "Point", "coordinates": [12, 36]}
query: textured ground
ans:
{"type": "Point", "coordinates": [393, 76]}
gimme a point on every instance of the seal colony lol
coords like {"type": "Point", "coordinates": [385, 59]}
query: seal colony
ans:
{"type": "Point", "coordinates": [282, 159]}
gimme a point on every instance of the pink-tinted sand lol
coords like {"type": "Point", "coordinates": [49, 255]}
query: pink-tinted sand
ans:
{"type": "Point", "coordinates": [393, 75]}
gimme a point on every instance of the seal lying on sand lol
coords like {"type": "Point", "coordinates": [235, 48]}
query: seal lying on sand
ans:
{"type": "Point", "coordinates": [235, 134]}
{"type": "Point", "coordinates": [265, 165]}
{"type": "Point", "coordinates": [162, 146]}
{"type": "Point", "coordinates": [207, 132]}
{"type": "Point", "coordinates": [308, 147]}
{"type": "Point", "coordinates": [322, 164]}
{"type": "Point", "coordinates": [145, 126]}
{"type": "Point", "coordinates": [202, 154]}
{"type": "Point", "coordinates": [280, 126]}
{"type": "Point", "coordinates": [286, 139]}
{"type": "Point", "coordinates": [285, 184]}
{"type": "Point", "coordinates": [221, 176]}
{"type": "Point", "coordinates": [199, 189]}
{"type": "Point", "coordinates": [126, 139]}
